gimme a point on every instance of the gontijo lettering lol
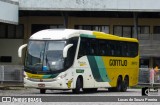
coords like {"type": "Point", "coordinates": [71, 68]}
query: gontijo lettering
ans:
{"type": "Point", "coordinates": [117, 62]}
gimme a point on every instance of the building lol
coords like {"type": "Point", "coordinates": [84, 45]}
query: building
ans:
{"type": "Point", "coordinates": [129, 18]}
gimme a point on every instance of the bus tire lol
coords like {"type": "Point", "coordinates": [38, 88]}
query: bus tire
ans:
{"type": "Point", "coordinates": [42, 91]}
{"type": "Point", "coordinates": [112, 89]}
{"type": "Point", "coordinates": [78, 86]}
{"type": "Point", "coordinates": [119, 84]}
{"type": "Point", "coordinates": [125, 84]}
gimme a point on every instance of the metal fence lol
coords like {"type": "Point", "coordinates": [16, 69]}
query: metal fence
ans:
{"type": "Point", "coordinates": [11, 73]}
{"type": "Point", "coordinates": [150, 77]}
{"type": "Point", "coordinates": [14, 74]}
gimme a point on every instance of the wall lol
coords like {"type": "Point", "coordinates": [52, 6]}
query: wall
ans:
{"type": "Point", "coordinates": [91, 5]}
{"type": "Point", "coordinates": [9, 47]}
{"type": "Point", "coordinates": [28, 21]}
{"type": "Point", "coordinates": [72, 21]}
{"type": "Point", "coordinates": [8, 12]}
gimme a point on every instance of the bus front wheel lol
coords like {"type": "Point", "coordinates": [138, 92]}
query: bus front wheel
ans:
{"type": "Point", "coordinates": [78, 86]}
{"type": "Point", "coordinates": [90, 90]}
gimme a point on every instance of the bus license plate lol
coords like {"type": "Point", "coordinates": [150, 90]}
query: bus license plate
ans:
{"type": "Point", "coordinates": [41, 85]}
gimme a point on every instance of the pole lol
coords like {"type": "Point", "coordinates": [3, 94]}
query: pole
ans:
{"type": "Point", "coordinates": [2, 74]}
{"type": "Point", "coordinates": [65, 16]}
{"type": "Point", "coordinates": [135, 15]}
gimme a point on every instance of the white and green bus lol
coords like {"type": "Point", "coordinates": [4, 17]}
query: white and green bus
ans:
{"type": "Point", "coordinates": [80, 60]}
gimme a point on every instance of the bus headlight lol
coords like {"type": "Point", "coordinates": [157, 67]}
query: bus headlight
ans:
{"type": "Point", "coordinates": [24, 74]}
{"type": "Point", "coordinates": [61, 77]}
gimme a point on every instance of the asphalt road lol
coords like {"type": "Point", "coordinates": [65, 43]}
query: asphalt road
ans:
{"type": "Point", "coordinates": [35, 92]}
{"type": "Point", "coordinates": [62, 95]}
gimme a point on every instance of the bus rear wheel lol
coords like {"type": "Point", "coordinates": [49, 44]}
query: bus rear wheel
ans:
{"type": "Point", "coordinates": [119, 84]}
{"type": "Point", "coordinates": [125, 84]}
{"type": "Point", "coordinates": [118, 88]}
{"type": "Point", "coordinates": [111, 89]}
{"type": "Point", "coordinates": [42, 91]}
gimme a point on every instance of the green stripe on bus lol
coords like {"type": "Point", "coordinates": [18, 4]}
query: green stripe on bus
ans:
{"type": "Point", "coordinates": [50, 76]}
{"type": "Point", "coordinates": [98, 69]}
{"type": "Point", "coordinates": [94, 69]}
{"type": "Point", "coordinates": [102, 69]}
{"type": "Point", "coordinates": [87, 36]}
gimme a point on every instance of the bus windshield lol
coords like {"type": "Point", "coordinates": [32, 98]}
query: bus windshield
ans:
{"type": "Point", "coordinates": [45, 56]}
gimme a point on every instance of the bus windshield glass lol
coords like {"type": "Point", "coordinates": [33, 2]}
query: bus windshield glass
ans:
{"type": "Point", "coordinates": [45, 56]}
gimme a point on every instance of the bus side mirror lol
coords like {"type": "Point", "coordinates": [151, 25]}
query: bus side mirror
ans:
{"type": "Point", "coordinates": [65, 50]}
{"type": "Point", "coordinates": [21, 49]}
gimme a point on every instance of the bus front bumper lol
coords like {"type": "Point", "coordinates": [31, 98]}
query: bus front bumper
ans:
{"type": "Point", "coordinates": [58, 84]}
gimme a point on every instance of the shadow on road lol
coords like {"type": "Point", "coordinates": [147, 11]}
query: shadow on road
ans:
{"type": "Point", "coordinates": [69, 92]}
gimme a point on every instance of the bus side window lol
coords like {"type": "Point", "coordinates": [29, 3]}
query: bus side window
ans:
{"type": "Point", "coordinates": [133, 49]}
{"type": "Point", "coordinates": [108, 48]}
{"type": "Point", "coordinates": [102, 48]}
{"type": "Point", "coordinates": [83, 47]}
{"type": "Point", "coordinates": [71, 51]}
{"type": "Point", "coordinates": [113, 49]}
{"type": "Point", "coordinates": [118, 49]}
{"type": "Point", "coordinates": [93, 48]}
{"type": "Point", "coordinates": [125, 52]}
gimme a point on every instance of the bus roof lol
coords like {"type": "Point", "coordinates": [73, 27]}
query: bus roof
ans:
{"type": "Point", "coordinates": [61, 34]}
{"type": "Point", "coordinates": [57, 34]}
